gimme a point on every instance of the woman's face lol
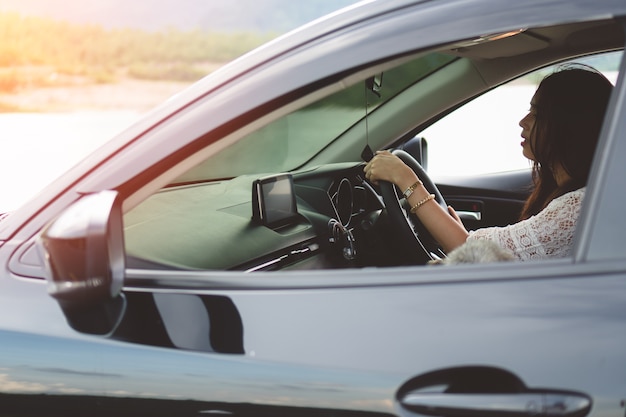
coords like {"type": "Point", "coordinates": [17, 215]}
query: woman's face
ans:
{"type": "Point", "coordinates": [527, 124]}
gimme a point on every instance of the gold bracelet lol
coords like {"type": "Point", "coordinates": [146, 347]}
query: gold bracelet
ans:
{"type": "Point", "coordinates": [407, 193]}
{"type": "Point", "coordinates": [421, 203]}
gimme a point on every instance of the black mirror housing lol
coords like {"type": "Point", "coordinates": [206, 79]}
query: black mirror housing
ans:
{"type": "Point", "coordinates": [83, 250]}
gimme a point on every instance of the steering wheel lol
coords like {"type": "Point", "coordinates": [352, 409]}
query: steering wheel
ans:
{"type": "Point", "coordinates": [415, 241]}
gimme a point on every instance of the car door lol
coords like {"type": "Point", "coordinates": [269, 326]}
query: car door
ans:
{"type": "Point", "coordinates": [61, 358]}
{"type": "Point", "coordinates": [498, 339]}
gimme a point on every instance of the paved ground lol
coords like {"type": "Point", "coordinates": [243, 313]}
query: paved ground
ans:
{"type": "Point", "coordinates": [60, 125]}
{"type": "Point", "coordinates": [129, 94]}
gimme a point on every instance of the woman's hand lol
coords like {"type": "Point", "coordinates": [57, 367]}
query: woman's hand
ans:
{"type": "Point", "coordinates": [445, 225]}
{"type": "Point", "coordinates": [385, 166]}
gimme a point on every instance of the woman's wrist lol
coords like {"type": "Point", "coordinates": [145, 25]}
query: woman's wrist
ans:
{"type": "Point", "coordinates": [411, 188]}
{"type": "Point", "coordinates": [407, 180]}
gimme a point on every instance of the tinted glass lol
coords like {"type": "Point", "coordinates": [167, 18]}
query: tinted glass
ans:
{"type": "Point", "coordinates": [292, 140]}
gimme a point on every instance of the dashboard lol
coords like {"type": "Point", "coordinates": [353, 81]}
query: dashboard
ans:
{"type": "Point", "coordinates": [337, 221]}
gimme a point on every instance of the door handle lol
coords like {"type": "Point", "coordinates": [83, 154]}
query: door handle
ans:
{"type": "Point", "coordinates": [468, 209]}
{"type": "Point", "coordinates": [486, 391]}
{"type": "Point", "coordinates": [546, 404]}
{"type": "Point", "coordinates": [470, 215]}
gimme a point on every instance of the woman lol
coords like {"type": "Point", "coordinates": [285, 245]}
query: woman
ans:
{"type": "Point", "coordinates": [560, 134]}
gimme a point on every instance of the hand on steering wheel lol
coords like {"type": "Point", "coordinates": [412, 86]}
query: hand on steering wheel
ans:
{"type": "Point", "coordinates": [414, 237]}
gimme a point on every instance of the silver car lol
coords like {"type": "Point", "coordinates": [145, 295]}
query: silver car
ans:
{"type": "Point", "coordinates": [225, 255]}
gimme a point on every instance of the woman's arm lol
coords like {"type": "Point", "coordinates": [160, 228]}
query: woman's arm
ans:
{"type": "Point", "coordinates": [445, 227]}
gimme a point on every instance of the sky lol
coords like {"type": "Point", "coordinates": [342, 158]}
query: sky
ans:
{"type": "Point", "coordinates": [223, 15]}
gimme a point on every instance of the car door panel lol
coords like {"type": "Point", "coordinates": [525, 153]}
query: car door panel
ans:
{"type": "Point", "coordinates": [473, 321]}
{"type": "Point", "coordinates": [492, 200]}
{"type": "Point", "coordinates": [101, 378]}
{"type": "Point", "coordinates": [160, 319]}
{"type": "Point", "coordinates": [535, 329]}
{"type": "Point", "coordinates": [531, 321]}
{"type": "Point", "coordinates": [320, 345]}
{"type": "Point", "coordinates": [48, 368]}
{"type": "Point", "coordinates": [477, 212]}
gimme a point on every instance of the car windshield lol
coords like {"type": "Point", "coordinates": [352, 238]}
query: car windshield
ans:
{"type": "Point", "coordinates": [292, 140]}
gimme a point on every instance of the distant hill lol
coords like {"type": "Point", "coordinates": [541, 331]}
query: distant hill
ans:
{"type": "Point", "coordinates": [219, 15]}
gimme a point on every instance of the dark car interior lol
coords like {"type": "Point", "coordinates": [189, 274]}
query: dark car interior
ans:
{"type": "Point", "coordinates": [292, 195]}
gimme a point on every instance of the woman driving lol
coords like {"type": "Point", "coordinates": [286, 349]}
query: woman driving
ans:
{"type": "Point", "coordinates": [560, 133]}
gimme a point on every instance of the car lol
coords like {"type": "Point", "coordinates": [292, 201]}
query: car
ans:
{"type": "Point", "coordinates": [226, 255]}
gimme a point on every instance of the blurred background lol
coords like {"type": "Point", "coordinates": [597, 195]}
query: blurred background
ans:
{"type": "Point", "coordinates": [74, 73]}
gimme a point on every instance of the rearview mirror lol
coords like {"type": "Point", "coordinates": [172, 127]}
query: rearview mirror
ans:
{"type": "Point", "coordinates": [84, 257]}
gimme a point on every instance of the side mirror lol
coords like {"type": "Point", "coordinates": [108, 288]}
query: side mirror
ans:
{"type": "Point", "coordinates": [84, 256]}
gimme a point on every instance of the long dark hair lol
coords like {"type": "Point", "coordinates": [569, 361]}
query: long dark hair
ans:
{"type": "Point", "coordinates": [570, 105]}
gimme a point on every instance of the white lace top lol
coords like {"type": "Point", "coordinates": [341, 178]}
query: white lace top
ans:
{"type": "Point", "coordinates": [548, 234]}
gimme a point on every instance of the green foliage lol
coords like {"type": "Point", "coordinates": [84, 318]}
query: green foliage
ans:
{"type": "Point", "coordinates": [99, 54]}
{"type": "Point", "coordinates": [11, 79]}
{"type": "Point", "coordinates": [175, 72]}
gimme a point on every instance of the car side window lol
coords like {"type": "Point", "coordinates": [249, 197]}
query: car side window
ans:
{"type": "Point", "coordinates": [489, 125]}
